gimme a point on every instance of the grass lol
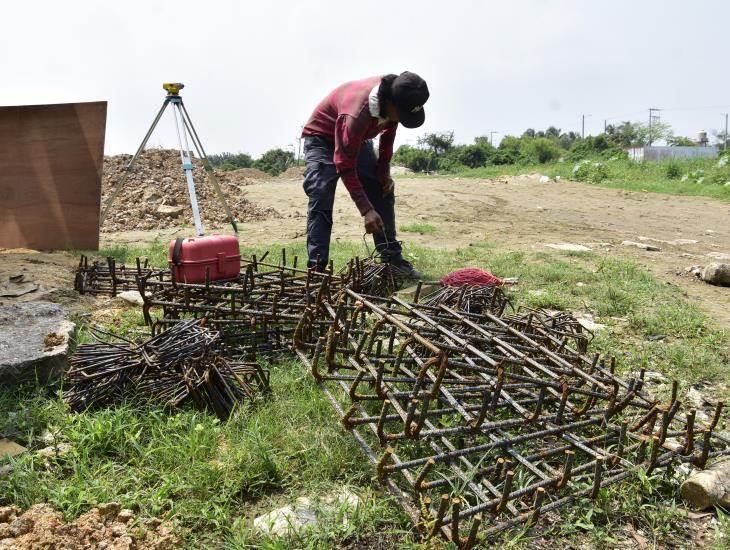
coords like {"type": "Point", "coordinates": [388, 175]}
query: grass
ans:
{"type": "Point", "coordinates": [634, 176]}
{"type": "Point", "coordinates": [422, 228]}
{"type": "Point", "coordinates": [211, 478]}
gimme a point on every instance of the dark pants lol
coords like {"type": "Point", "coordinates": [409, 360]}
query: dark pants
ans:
{"type": "Point", "coordinates": [320, 182]}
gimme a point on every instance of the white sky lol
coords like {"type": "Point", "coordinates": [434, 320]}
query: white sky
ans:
{"type": "Point", "coordinates": [254, 70]}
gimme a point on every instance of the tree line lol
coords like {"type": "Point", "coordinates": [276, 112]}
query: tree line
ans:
{"type": "Point", "coordinates": [438, 152]}
{"type": "Point", "coordinates": [273, 161]}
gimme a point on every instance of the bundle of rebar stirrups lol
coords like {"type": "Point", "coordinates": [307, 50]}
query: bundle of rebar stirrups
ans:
{"type": "Point", "coordinates": [476, 419]}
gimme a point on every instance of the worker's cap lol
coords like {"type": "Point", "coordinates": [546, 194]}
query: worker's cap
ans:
{"type": "Point", "coordinates": [409, 93]}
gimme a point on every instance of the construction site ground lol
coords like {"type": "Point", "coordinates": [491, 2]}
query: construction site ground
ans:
{"type": "Point", "coordinates": [512, 212]}
{"type": "Point", "coordinates": [504, 224]}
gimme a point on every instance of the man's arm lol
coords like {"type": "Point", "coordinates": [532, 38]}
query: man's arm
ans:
{"type": "Point", "coordinates": [385, 148]}
{"type": "Point", "coordinates": [348, 140]}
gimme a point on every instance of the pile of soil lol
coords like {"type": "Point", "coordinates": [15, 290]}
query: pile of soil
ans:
{"type": "Point", "coordinates": [107, 527]}
{"type": "Point", "coordinates": [155, 194]}
{"type": "Point", "coordinates": [293, 173]}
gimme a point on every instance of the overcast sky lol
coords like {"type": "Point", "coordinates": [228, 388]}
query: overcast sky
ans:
{"type": "Point", "coordinates": [254, 70]}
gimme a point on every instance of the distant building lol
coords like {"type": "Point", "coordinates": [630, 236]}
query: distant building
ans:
{"type": "Point", "coordinates": [661, 153]}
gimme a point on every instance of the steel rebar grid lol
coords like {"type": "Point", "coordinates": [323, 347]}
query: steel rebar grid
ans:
{"type": "Point", "coordinates": [516, 423]}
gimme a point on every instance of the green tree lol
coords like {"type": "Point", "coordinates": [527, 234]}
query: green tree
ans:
{"type": "Point", "coordinates": [417, 159]}
{"type": "Point", "coordinates": [274, 161]}
{"type": "Point", "coordinates": [231, 161]}
{"type": "Point", "coordinates": [540, 150]}
{"type": "Point", "coordinates": [680, 141]}
{"type": "Point", "coordinates": [438, 143]}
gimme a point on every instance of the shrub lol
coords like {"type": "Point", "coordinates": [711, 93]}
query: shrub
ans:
{"type": "Point", "coordinates": [418, 160]}
{"type": "Point", "coordinates": [540, 150]}
{"type": "Point", "coordinates": [274, 161]}
{"type": "Point", "coordinates": [673, 170]}
{"type": "Point", "coordinates": [589, 171]}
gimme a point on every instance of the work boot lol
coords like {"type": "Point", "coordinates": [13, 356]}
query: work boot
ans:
{"type": "Point", "coordinates": [404, 269]}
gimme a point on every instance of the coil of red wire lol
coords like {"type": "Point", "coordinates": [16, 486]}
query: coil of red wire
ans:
{"type": "Point", "coordinates": [471, 276]}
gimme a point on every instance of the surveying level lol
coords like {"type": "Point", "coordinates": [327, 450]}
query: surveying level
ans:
{"type": "Point", "coordinates": [182, 118]}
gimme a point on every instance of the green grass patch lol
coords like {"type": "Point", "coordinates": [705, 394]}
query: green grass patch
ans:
{"type": "Point", "coordinates": [418, 228]}
{"type": "Point", "coordinates": [213, 477]}
{"type": "Point", "coordinates": [701, 177]}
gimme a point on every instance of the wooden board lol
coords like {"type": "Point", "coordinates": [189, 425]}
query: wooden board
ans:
{"type": "Point", "coordinates": [51, 159]}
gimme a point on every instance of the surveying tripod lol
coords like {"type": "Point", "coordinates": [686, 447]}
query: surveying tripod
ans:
{"type": "Point", "coordinates": [178, 111]}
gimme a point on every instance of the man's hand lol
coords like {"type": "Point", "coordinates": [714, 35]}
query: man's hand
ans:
{"type": "Point", "coordinates": [373, 222]}
{"type": "Point", "coordinates": [387, 185]}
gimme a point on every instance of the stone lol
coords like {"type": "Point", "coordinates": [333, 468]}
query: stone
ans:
{"type": "Point", "coordinates": [10, 448]}
{"type": "Point", "coordinates": [568, 247]}
{"type": "Point", "coordinates": [125, 515]}
{"type": "Point", "coordinates": [170, 210]}
{"type": "Point", "coordinates": [54, 450]}
{"type": "Point", "coordinates": [8, 513]}
{"type": "Point", "coordinates": [131, 297]}
{"type": "Point", "coordinates": [306, 513]}
{"type": "Point", "coordinates": [25, 350]}
{"type": "Point", "coordinates": [642, 246]}
{"type": "Point", "coordinates": [587, 322]}
{"type": "Point", "coordinates": [544, 179]}
{"type": "Point", "coordinates": [20, 526]}
{"type": "Point", "coordinates": [109, 509]}
{"type": "Point", "coordinates": [717, 274]}
{"type": "Point", "coordinates": [695, 398]}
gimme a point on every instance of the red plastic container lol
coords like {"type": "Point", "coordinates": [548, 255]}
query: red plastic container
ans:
{"type": "Point", "coordinates": [189, 258]}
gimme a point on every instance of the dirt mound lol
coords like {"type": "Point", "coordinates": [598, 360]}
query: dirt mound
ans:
{"type": "Point", "coordinates": [104, 527]}
{"type": "Point", "coordinates": [245, 174]}
{"type": "Point", "coordinates": [155, 195]}
{"type": "Point", "coordinates": [293, 173]}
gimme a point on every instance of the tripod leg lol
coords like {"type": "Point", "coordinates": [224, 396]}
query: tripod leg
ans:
{"type": "Point", "coordinates": [188, 123]}
{"type": "Point", "coordinates": [187, 165]}
{"type": "Point", "coordinates": [129, 167]}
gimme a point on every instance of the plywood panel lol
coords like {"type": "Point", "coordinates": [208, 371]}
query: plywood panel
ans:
{"type": "Point", "coordinates": [51, 160]}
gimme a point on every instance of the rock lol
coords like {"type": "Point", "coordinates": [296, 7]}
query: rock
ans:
{"type": "Point", "coordinates": [695, 398]}
{"type": "Point", "coordinates": [125, 515]}
{"type": "Point", "coordinates": [544, 179]}
{"type": "Point", "coordinates": [21, 526]}
{"type": "Point", "coordinates": [587, 322]}
{"type": "Point", "coordinates": [118, 530]}
{"type": "Point", "coordinates": [17, 286]}
{"type": "Point", "coordinates": [110, 509]}
{"type": "Point", "coordinates": [24, 354]}
{"type": "Point", "coordinates": [654, 377]}
{"type": "Point", "coordinates": [305, 513]}
{"type": "Point", "coordinates": [54, 450]}
{"type": "Point", "coordinates": [717, 274]}
{"type": "Point", "coordinates": [10, 448]}
{"type": "Point", "coordinates": [643, 246]}
{"type": "Point", "coordinates": [569, 247]}
{"type": "Point", "coordinates": [170, 210]}
{"type": "Point", "coordinates": [694, 270]}
{"type": "Point", "coordinates": [8, 513]}
{"type": "Point", "coordinates": [131, 296]}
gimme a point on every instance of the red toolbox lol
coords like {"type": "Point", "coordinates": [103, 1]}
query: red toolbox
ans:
{"type": "Point", "coordinates": [219, 254]}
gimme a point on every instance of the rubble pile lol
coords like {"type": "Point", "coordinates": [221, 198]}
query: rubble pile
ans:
{"type": "Point", "coordinates": [155, 195]}
{"type": "Point", "coordinates": [108, 526]}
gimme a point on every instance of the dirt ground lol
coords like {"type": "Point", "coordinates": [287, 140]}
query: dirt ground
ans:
{"type": "Point", "coordinates": [513, 212]}
{"type": "Point", "coordinates": [522, 213]}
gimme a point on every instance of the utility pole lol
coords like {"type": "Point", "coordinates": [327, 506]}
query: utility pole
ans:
{"type": "Point", "coordinates": [583, 126]}
{"type": "Point", "coordinates": [725, 149]}
{"type": "Point", "coordinates": [605, 125]}
{"type": "Point", "coordinates": [491, 137]}
{"type": "Point", "coordinates": [652, 116]}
